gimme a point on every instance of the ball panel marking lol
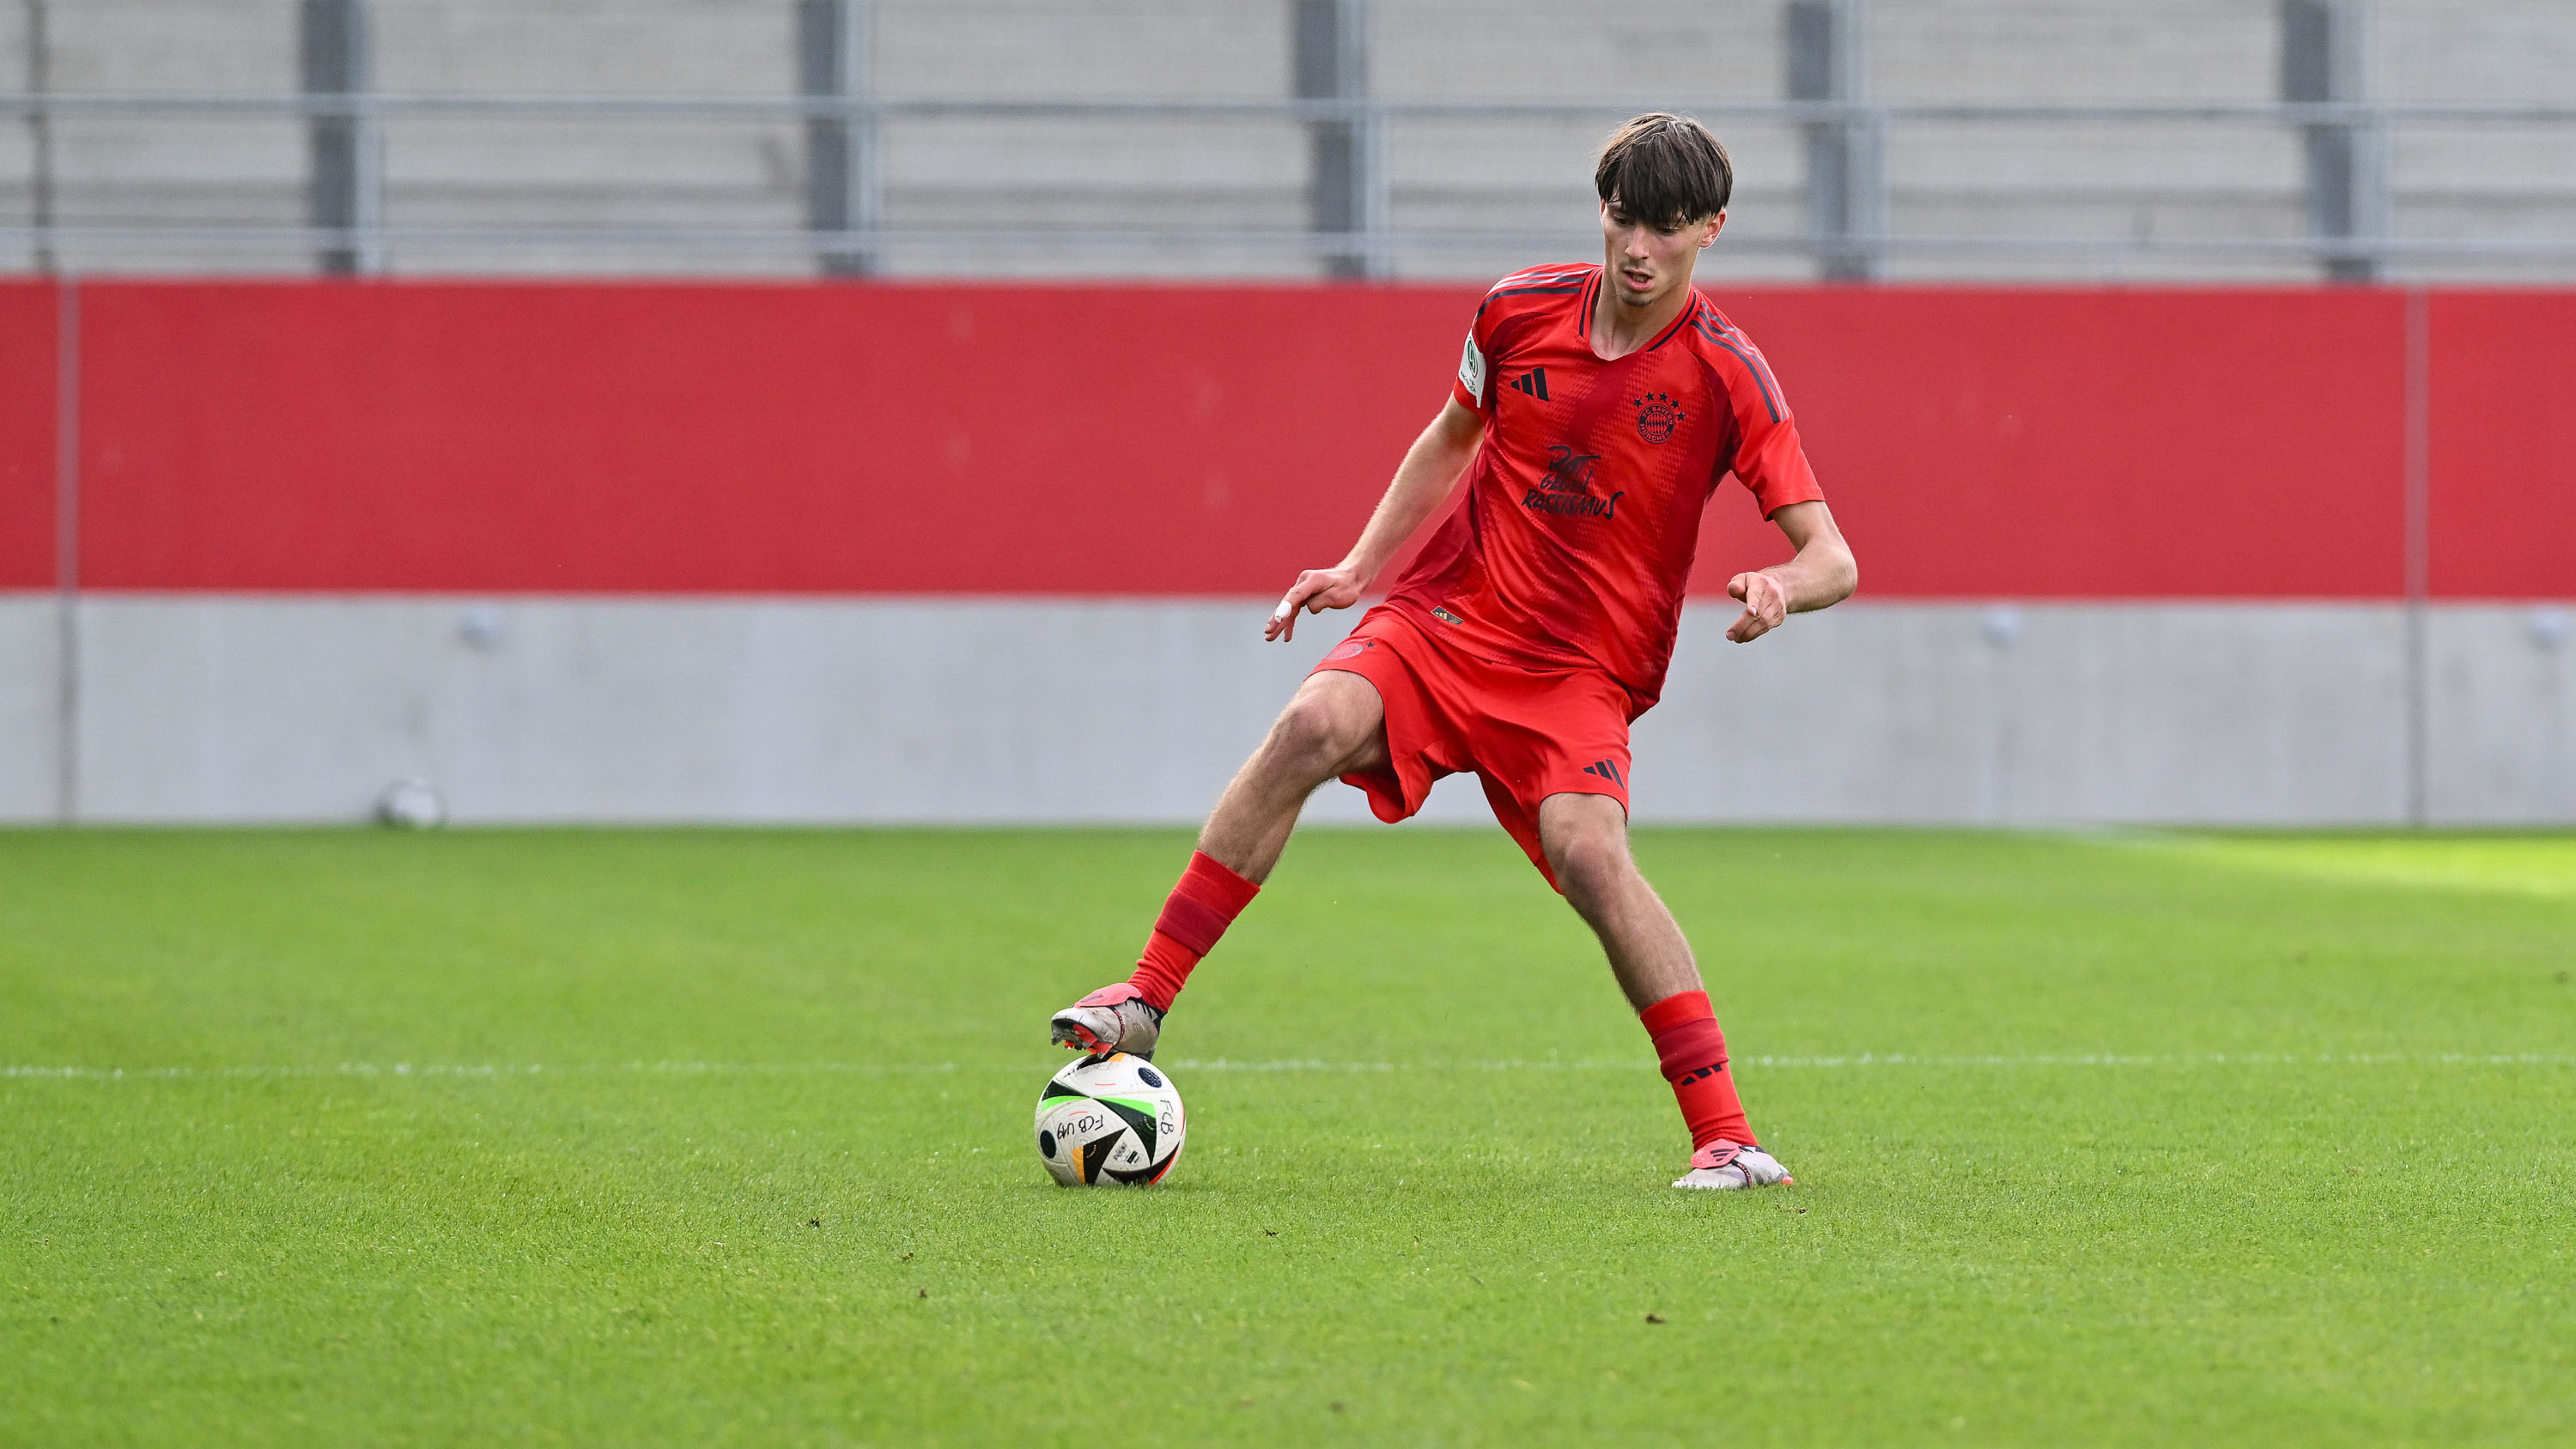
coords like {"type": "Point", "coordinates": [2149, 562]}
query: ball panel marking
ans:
{"type": "Point", "coordinates": [1109, 1120]}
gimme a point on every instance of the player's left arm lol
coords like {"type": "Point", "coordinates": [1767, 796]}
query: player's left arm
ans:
{"type": "Point", "coordinates": [1822, 574]}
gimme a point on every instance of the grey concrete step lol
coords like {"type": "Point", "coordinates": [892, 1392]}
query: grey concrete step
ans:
{"type": "Point", "coordinates": [2159, 181]}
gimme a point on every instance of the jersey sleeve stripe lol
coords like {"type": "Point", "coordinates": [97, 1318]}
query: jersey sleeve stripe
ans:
{"type": "Point", "coordinates": [1501, 292]}
{"type": "Point", "coordinates": [1761, 376]}
{"type": "Point", "coordinates": [1713, 325]}
{"type": "Point", "coordinates": [1556, 278]}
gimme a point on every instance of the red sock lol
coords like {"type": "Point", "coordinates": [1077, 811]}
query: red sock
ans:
{"type": "Point", "coordinates": [1206, 901]}
{"type": "Point", "coordinates": [1694, 1056]}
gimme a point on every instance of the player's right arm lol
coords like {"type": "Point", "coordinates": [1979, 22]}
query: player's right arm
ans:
{"type": "Point", "coordinates": [1430, 469]}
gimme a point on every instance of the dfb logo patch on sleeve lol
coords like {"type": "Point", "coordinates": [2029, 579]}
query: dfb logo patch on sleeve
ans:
{"type": "Point", "coordinates": [1471, 368]}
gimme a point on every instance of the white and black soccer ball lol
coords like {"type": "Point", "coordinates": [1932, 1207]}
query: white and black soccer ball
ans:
{"type": "Point", "coordinates": [1110, 1120]}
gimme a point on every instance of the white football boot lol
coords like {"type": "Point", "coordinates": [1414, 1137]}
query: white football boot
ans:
{"type": "Point", "coordinates": [1725, 1166]}
{"type": "Point", "coordinates": [1113, 1019]}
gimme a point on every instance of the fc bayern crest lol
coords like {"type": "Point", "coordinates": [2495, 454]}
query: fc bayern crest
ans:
{"type": "Point", "coordinates": [1657, 417]}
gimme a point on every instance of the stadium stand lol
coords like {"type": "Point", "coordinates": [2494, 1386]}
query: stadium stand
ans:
{"type": "Point", "coordinates": [724, 188]}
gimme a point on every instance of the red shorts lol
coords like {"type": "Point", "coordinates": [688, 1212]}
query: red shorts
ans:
{"type": "Point", "coordinates": [1526, 733]}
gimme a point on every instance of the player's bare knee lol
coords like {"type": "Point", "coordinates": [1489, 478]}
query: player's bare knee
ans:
{"type": "Point", "coordinates": [1591, 865]}
{"type": "Point", "coordinates": [1586, 839]}
{"type": "Point", "coordinates": [1303, 730]}
{"type": "Point", "coordinates": [1331, 727]}
{"type": "Point", "coordinates": [1311, 738]}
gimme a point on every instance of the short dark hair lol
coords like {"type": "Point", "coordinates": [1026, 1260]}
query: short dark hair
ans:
{"type": "Point", "coordinates": [1664, 170]}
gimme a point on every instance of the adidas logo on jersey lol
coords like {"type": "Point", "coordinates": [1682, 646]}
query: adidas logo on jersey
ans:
{"type": "Point", "coordinates": [1533, 382]}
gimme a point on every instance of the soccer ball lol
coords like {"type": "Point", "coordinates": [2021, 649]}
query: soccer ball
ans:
{"type": "Point", "coordinates": [1112, 1119]}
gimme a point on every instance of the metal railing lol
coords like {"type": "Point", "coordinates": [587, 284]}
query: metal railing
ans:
{"type": "Point", "coordinates": [1377, 239]}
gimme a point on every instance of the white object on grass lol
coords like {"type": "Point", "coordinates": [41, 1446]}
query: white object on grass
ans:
{"type": "Point", "coordinates": [414, 804]}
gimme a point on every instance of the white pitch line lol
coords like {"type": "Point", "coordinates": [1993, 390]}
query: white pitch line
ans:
{"type": "Point", "coordinates": [466, 1069]}
{"type": "Point", "coordinates": [1290, 1065]}
{"type": "Point", "coordinates": [1904, 1059]}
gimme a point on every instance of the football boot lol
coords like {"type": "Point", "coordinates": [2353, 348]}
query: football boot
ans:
{"type": "Point", "coordinates": [1726, 1166]}
{"type": "Point", "coordinates": [1113, 1019]}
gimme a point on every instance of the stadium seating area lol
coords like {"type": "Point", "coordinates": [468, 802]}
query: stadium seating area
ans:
{"type": "Point", "coordinates": [1018, 194]}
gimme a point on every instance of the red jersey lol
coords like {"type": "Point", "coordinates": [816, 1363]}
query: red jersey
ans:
{"type": "Point", "coordinates": [1584, 499]}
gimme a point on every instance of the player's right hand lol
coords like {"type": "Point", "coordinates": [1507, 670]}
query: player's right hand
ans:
{"type": "Point", "coordinates": [1315, 591]}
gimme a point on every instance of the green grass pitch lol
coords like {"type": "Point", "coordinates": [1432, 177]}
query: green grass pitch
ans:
{"type": "Point", "coordinates": [723, 1137]}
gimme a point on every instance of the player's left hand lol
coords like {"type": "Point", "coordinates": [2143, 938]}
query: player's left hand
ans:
{"type": "Point", "coordinates": [1766, 606]}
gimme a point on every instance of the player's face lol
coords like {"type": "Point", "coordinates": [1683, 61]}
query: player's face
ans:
{"type": "Point", "coordinates": [1646, 262]}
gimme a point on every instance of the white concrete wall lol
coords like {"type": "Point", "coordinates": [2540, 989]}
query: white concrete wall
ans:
{"type": "Point", "coordinates": [204, 708]}
{"type": "Point", "coordinates": [30, 706]}
{"type": "Point", "coordinates": [2502, 716]}
{"type": "Point", "coordinates": [2059, 713]}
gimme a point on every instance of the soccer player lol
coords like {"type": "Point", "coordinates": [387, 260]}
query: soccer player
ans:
{"type": "Point", "coordinates": [1595, 411]}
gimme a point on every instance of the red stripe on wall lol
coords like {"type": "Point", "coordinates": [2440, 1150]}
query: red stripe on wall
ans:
{"type": "Point", "coordinates": [906, 439]}
{"type": "Point", "coordinates": [2503, 445]}
{"type": "Point", "coordinates": [2101, 443]}
{"type": "Point", "coordinates": [922, 438]}
{"type": "Point", "coordinates": [27, 408]}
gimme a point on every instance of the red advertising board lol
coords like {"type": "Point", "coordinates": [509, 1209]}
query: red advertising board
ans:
{"type": "Point", "coordinates": [29, 401]}
{"type": "Point", "coordinates": [919, 438]}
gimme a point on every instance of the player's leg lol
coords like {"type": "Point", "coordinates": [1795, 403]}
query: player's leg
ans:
{"type": "Point", "coordinates": [1334, 726]}
{"type": "Point", "coordinates": [1585, 837]}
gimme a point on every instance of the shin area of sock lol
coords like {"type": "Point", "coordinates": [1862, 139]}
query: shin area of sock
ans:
{"type": "Point", "coordinates": [1163, 970]}
{"type": "Point", "coordinates": [1195, 916]}
{"type": "Point", "coordinates": [1692, 1052]}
